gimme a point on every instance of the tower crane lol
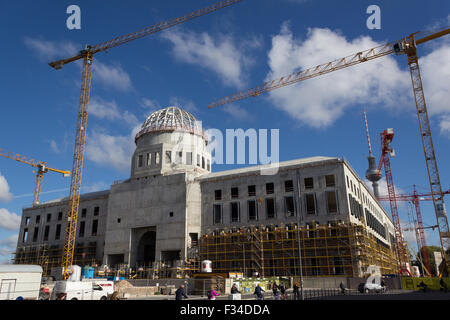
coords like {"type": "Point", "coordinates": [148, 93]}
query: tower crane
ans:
{"type": "Point", "coordinates": [41, 167]}
{"type": "Point", "coordinates": [407, 46]}
{"type": "Point", "coordinates": [87, 55]}
{"type": "Point", "coordinates": [415, 198]}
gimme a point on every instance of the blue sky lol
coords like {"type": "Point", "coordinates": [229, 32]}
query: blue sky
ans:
{"type": "Point", "coordinates": [201, 61]}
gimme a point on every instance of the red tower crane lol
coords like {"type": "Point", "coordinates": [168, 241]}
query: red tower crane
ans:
{"type": "Point", "coordinates": [416, 198]}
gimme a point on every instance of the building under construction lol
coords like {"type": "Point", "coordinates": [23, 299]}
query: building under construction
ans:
{"type": "Point", "coordinates": [330, 250]}
{"type": "Point", "coordinates": [173, 212]}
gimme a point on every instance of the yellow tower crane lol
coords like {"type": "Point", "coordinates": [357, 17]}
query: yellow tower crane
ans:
{"type": "Point", "coordinates": [41, 167]}
{"type": "Point", "coordinates": [408, 46]}
{"type": "Point", "coordinates": [87, 55]}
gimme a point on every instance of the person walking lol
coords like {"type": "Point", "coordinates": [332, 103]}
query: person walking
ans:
{"type": "Point", "coordinates": [295, 291]}
{"type": "Point", "coordinates": [234, 289]}
{"type": "Point", "coordinates": [282, 292]}
{"type": "Point", "coordinates": [180, 294]}
{"type": "Point", "coordinates": [342, 288]}
{"type": "Point", "coordinates": [259, 292]}
{"type": "Point", "coordinates": [212, 294]}
{"type": "Point", "coordinates": [276, 295]}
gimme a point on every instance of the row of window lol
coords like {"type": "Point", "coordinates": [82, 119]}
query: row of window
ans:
{"type": "Point", "coordinates": [271, 208]}
{"type": "Point", "coordinates": [153, 158]}
{"type": "Point", "coordinates": [81, 233]}
{"type": "Point", "coordinates": [376, 225]}
{"type": "Point", "coordinates": [270, 187]}
{"type": "Point", "coordinates": [356, 208]}
{"type": "Point", "coordinates": [60, 216]}
{"type": "Point", "coordinates": [361, 195]}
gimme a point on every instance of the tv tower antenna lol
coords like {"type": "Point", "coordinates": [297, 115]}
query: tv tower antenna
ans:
{"type": "Point", "coordinates": [372, 174]}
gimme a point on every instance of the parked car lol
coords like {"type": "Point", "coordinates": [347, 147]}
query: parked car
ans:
{"type": "Point", "coordinates": [371, 287]}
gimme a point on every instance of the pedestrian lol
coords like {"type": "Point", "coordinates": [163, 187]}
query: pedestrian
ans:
{"type": "Point", "coordinates": [342, 288]}
{"type": "Point", "coordinates": [234, 289]}
{"type": "Point", "coordinates": [212, 294]}
{"type": "Point", "coordinates": [275, 291]}
{"type": "Point", "coordinates": [283, 292]}
{"type": "Point", "coordinates": [259, 292]}
{"type": "Point", "coordinates": [296, 292]}
{"type": "Point", "coordinates": [180, 294]}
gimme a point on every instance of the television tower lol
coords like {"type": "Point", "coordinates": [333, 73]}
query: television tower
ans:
{"type": "Point", "coordinates": [372, 174]}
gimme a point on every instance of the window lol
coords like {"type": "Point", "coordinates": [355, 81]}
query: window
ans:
{"type": "Point", "coordinates": [179, 157]}
{"type": "Point", "coordinates": [270, 208]}
{"type": "Point", "coordinates": [331, 201]}
{"type": "Point", "coordinates": [35, 234]}
{"type": "Point", "coordinates": [58, 232]}
{"type": "Point", "coordinates": [309, 183]}
{"type": "Point", "coordinates": [168, 156]}
{"type": "Point", "coordinates": [49, 217]}
{"type": "Point", "coordinates": [217, 213]}
{"type": "Point", "coordinates": [38, 219]}
{"type": "Point", "coordinates": [288, 186]}
{"type": "Point", "coordinates": [46, 232]}
{"type": "Point", "coordinates": [119, 220]}
{"type": "Point", "coordinates": [329, 180]}
{"type": "Point", "coordinates": [218, 194]}
{"type": "Point", "coordinates": [203, 162]}
{"type": "Point", "coordinates": [27, 220]}
{"type": "Point", "coordinates": [149, 159]}
{"type": "Point", "coordinates": [289, 205]}
{"type": "Point", "coordinates": [83, 212]}
{"type": "Point", "coordinates": [198, 161]}
{"type": "Point", "coordinates": [252, 210]}
{"type": "Point", "coordinates": [310, 203]}
{"type": "Point", "coordinates": [348, 185]}
{"type": "Point", "coordinates": [171, 214]}
{"type": "Point", "coordinates": [81, 232]}
{"type": "Point", "coordinates": [157, 157]}
{"type": "Point", "coordinates": [189, 158]}
{"type": "Point", "coordinates": [208, 165]}
{"type": "Point", "coordinates": [94, 227]}
{"type": "Point", "coordinates": [140, 161]}
{"type": "Point", "coordinates": [252, 191]}
{"type": "Point", "coordinates": [235, 214]}
{"type": "Point", "coordinates": [234, 193]}
{"type": "Point", "coordinates": [60, 214]}
{"type": "Point", "coordinates": [269, 188]}
{"type": "Point", "coordinates": [96, 211]}
{"type": "Point", "coordinates": [25, 235]}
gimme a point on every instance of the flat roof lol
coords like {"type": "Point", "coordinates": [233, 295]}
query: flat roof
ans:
{"type": "Point", "coordinates": [290, 164]}
{"type": "Point", "coordinates": [20, 268]}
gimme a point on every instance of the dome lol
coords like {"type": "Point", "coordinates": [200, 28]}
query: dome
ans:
{"type": "Point", "coordinates": [170, 119]}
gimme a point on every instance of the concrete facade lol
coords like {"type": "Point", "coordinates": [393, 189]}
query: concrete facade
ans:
{"type": "Point", "coordinates": [172, 198]}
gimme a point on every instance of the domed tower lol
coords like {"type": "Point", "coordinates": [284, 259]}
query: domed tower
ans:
{"type": "Point", "coordinates": [171, 140]}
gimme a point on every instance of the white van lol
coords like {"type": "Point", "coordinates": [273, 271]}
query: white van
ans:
{"type": "Point", "coordinates": [78, 290]}
{"type": "Point", "coordinates": [107, 286]}
{"type": "Point", "coordinates": [20, 281]}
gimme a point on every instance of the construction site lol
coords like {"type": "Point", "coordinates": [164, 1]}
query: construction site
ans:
{"type": "Point", "coordinates": [174, 218]}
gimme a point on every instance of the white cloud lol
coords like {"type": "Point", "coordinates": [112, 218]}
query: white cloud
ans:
{"type": "Point", "coordinates": [112, 76]}
{"type": "Point", "coordinates": [111, 151]}
{"type": "Point", "coordinates": [7, 246]}
{"type": "Point", "coordinates": [109, 110]}
{"type": "Point", "coordinates": [318, 102]}
{"type": "Point", "coordinates": [236, 111]}
{"type": "Point", "coordinates": [98, 186]}
{"type": "Point", "coordinates": [54, 146]}
{"type": "Point", "coordinates": [51, 50]}
{"type": "Point", "coordinates": [218, 54]}
{"type": "Point", "coordinates": [5, 194]}
{"type": "Point", "coordinates": [9, 220]}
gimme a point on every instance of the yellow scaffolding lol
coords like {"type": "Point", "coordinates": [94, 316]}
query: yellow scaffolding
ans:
{"type": "Point", "coordinates": [326, 250]}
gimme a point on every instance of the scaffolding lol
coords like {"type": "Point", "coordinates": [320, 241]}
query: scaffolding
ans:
{"type": "Point", "coordinates": [49, 256]}
{"type": "Point", "coordinates": [336, 249]}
